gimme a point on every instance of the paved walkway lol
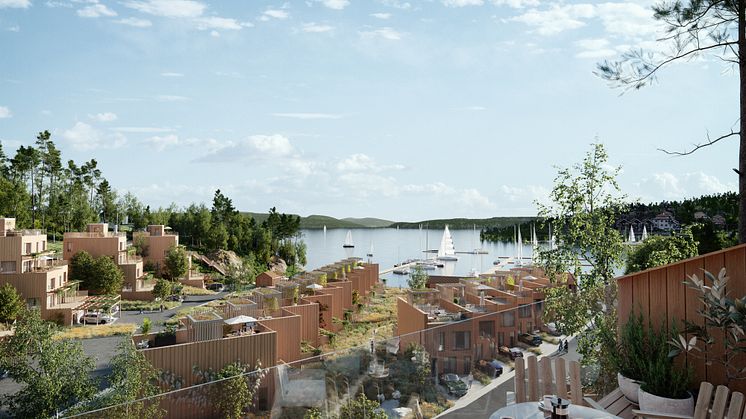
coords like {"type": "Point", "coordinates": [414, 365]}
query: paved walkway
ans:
{"type": "Point", "coordinates": [485, 401]}
{"type": "Point", "coordinates": [158, 317]}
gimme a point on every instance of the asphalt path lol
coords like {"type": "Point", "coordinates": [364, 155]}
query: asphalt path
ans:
{"type": "Point", "coordinates": [159, 317]}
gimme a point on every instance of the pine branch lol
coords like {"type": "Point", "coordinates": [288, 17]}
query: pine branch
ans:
{"type": "Point", "coordinates": [699, 146]}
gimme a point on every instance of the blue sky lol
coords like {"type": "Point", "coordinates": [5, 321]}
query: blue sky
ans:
{"type": "Point", "coordinates": [393, 109]}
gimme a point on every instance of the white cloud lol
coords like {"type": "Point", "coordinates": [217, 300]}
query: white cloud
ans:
{"type": "Point", "coordinates": [474, 108]}
{"type": "Point", "coordinates": [462, 3]}
{"type": "Point", "coordinates": [556, 19]}
{"type": "Point", "coordinates": [15, 4]}
{"type": "Point", "coordinates": [397, 4]}
{"type": "Point", "coordinates": [670, 186]}
{"type": "Point", "coordinates": [363, 163]}
{"type": "Point", "coordinates": [383, 16]}
{"type": "Point", "coordinates": [215, 34]}
{"type": "Point", "coordinates": [316, 28]}
{"type": "Point", "coordinates": [215, 22]}
{"type": "Point", "coordinates": [274, 14]}
{"type": "Point", "coordinates": [14, 28]}
{"type": "Point", "coordinates": [271, 145]}
{"type": "Point", "coordinates": [85, 137]}
{"type": "Point", "coordinates": [516, 4]}
{"type": "Point", "coordinates": [152, 130]}
{"type": "Point", "coordinates": [594, 48]}
{"type": "Point", "coordinates": [385, 33]}
{"type": "Point", "coordinates": [5, 112]}
{"type": "Point", "coordinates": [171, 98]}
{"type": "Point", "coordinates": [103, 117]}
{"type": "Point", "coordinates": [335, 4]}
{"type": "Point", "coordinates": [161, 143]}
{"type": "Point", "coordinates": [472, 198]}
{"type": "Point", "coordinates": [525, 195]}
{"type": "Point", "coordinates": [168, 8]}
{"type": "Point", "coordinates": [307, 115]}
{"type": "Point", "coordinates": [135, 22]}
{"type": "Point", "coordinates": [172, 74]}
{"type": "Point", "coordinates": [96, 10]}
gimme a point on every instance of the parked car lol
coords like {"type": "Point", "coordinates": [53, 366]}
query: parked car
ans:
{"type": "Point", "coordinates": [492, 368]}
{"type": "Point", "coordinates": [551, 328]}
{"type": "Point", "coordinates": [454, 384]}
{"type": "Point", "coordinates": [512, 353]}
{"type": "Point", "coordinates": [175, 297]}
{"type": "Point", "coordinates": [95, 317]}
{"type": "Point", "coordinates": [216, 286]}
{"type": "Point", "coordinates": [529, 338]}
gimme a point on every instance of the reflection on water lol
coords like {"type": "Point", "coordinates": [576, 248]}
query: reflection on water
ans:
{"type": "Point", "coordinates": [392, 246]}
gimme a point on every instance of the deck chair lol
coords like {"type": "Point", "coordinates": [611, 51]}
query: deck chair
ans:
{"type": "Point", "coordinates": [720, 409]}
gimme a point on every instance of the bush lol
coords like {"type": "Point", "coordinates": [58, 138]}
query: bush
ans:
{"type": "Point", "coordinates": [137, 305]}
{"type": "Point", "coordinates": [146, 326]}
{"type": "Point", "coordinates": [481, 377]}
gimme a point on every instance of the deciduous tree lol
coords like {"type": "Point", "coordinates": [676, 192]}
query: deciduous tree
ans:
{"type": "Point", "coordinates": [177, 262]}
{"type": "Point", "coordinates": [11, 304]}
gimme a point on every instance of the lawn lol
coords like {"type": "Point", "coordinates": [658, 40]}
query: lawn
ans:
{"type": "Point", "coordinates": [137, 305]}
{"type": "Point", "coordinates": [97, 331]}
{"type": "Point", "coordinates": [189, 290]}
{"type": "Point", "coordinates": [379, 313]}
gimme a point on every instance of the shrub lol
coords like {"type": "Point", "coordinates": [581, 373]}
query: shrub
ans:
{"type": "Point", "coordinates": [146, 326]}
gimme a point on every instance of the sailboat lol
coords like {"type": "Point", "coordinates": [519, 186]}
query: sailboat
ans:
{"type": "Point", "coordinates": [534, 239]}
{"type": "Point", "coordinates": [631, 235]}
{"type": "Point", "coordinates": [348, 240]}
{"type": "Point", "coordinates": [519, 244]}
{"type": "Point", "coordinates": [447, 251]}
{"type": "Point", "coordinates": [644, 233]}
{"type": "Point", "coordinates": [370, 252]}
{"type": "Point", "coordinates": [478, 250]}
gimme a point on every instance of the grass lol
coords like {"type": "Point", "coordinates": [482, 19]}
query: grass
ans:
{"type": "Point", "coordinates": [189, 290]}
{"type": "Point", "coordinates": [182, 313]}
{"type": "Point", "coordinates": [431, 410]}
{"type": "Point", "coordinates": [481, 377]}
{"type": "Point", "coordinates": [378, 313]}
{"type": "Point", "coordinates": [546, 337]}
{"type": "Point", "coordinates": [89, 331]}
{"type": "Point", "coordinates": [136, 305]}
{"type": "Point", "coordinates": [535, 351]}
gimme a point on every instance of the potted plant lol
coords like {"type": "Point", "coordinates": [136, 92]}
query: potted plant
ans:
{"type": "Point", "coordinates": [627, 353]}
{"type": "Point", "coordinates": [664, 387]}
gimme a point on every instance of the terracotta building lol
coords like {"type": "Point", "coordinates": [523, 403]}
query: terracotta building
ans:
{"type": "Point", "coordinates": [156, 241]}
{"type": "Point", "coordinates": [38, 275]}
{"type": "Point", "coordinates": [99, 241]}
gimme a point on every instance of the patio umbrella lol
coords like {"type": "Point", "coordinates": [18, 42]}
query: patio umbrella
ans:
{"type": "Point", "coordinates": [240, 319]}
{"type": "Point", "coordinates": [314, 286]}
{"type": "Point", "coordinates": [530, 277]}
{"type": "Point", "coordinates": [482, 287]}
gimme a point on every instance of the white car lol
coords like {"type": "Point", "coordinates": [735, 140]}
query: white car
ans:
{"type": "Point", "coordinates": [98, 318]}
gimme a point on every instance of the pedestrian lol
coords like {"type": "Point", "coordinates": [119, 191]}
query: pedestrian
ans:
{"type": "Point", "coordinates": [471, 380]}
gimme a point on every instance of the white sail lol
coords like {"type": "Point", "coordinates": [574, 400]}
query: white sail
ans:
{"type": "Point", "coordinates": [631, 234]}
{"type": "Point", "coordinates": [348, 240]}
{"type": "Point", "coordinates": [644, 233]}
{"type": "Point", "coordinates": [534, 239]}
{"type": "Point", "coordinates": [447, 251]}
{"type": "Point", "coordinates": [520, 246]}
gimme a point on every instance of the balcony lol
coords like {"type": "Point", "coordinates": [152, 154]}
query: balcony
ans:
{"type": "Point", "coordinates": [17, 233]}
{"type": "Point", "coordinates": [89, 235]}
{"type": "Point", "coordinates": [128, 259]}
{"type": "Point", "coordinates": [45, 264]}
{"type": "Point", "coordinates": [71, 299]}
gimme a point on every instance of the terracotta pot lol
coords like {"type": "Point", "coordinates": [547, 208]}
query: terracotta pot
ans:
{"type": "Point", "coordinates": [652, 403]}
{"type": "Point", "coordinates": [629, 387]}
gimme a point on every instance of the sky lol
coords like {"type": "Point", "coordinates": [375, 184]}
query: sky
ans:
{"type": "Point", "coordinates": [392, 109]}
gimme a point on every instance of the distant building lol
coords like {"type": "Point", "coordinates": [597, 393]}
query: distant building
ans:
{"type": "Point", "coordinates": [718, 221]}
{"type": "Point", "coordinates": [156, 242]}
{"type": "Point", "coordinates": [700, 215]}
{"type": "Point", "coordinates": [665, 222]}
{"type": "Point", "coordinates": [269, 279]}
{"type": "Point", "coordinates": [37, 274]}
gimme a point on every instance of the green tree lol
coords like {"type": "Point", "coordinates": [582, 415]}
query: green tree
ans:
{"type": "Point", "coordinates": [361, 407]}
{"type": "Point", "coordinates": [585, 202]}
{"type": "Point", "coordinates": [100, 275]}
{"type": "Point", "coordinates": [11, 304]}
{"type": "Point", "coordinates": [232, 389]}
{"type": "Point", "coordinates": [417, 278]}
{"type": "Point", "coordinates": [54, 375]}
{"type": "Point", "coordinates": [82, 268]}
{"type": "Point", "coordinates": [694, 27]}
{"type": "Point", "coordinates": [132, 379]}
{"type": "Point", "coordinates": [177, 262]}
{"type": "Point", "coordinates": [162, 288]}
{"type": "Point", "coordinates": [661, 250]}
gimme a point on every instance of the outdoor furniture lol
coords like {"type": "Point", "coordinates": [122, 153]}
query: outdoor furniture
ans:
{"type": "Point", "coordinates": [535, 379]}
{"type": "Point", "coordinates": [530, 410]}
{"type": "Point", "coordinates": [616, 404]}
{"type": "Point", "coordinates": [703, 410]}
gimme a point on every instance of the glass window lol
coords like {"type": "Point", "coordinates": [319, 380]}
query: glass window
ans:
{"type": "Point", "coordinates": [508, 319]}
{"type": "Point", "coordinates": [467, 365]}
{"type": "Point", "coordinates": [462, 340]}
{"type": "Point", "coordinates": [450, 364]}
{"type": "Point", "coordinates": [524, 311]}
{"type": "Point", "coordinates": [486, 328]}
{"type": "Point", "coordinates": [8, 266]}
{"type": "Point", "coordinates": [441, 341]}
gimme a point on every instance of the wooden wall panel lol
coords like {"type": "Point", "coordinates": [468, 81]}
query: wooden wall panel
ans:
{"type": "Point", "coordinates": [694, 267]}
{"type": "Point", "coordinates": [641, 295]}
{"type": "Point", "coordinates": [715, 371]}
{"type": "Point", "coordinates": [658, 287]}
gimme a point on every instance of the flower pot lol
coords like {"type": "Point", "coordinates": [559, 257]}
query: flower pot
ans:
{"type": "Point", "coordinates": [629, 387]}
{"type": "Point", "coordinates": [652, 403]}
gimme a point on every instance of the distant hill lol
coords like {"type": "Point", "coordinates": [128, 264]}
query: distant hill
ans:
{"type": "Point", "coordinates": [466, 223]}
{"type": "Point", "coordinates": [369, 222]}
{"type": "Point", "coordinates": [319, 221]}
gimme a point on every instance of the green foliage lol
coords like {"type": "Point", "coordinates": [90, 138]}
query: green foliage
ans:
{"type": "Point", "coordinates": [313, 413]}
{"type": "Point", "coordinates": [132, 378]}
{"type": "Point", "coordinates": [54, 375]}
{"type": "Point", "coordinates": [361, 407]}
{"type": "Point", "coordinates": [723, 326]}
{"type": "Point", "coordinates": [162, 288]}
{"type": "Point", "coordinates": [417, 278]}
{"type": "Point", "coordinates": [11, 304]}
{"type": "Point", "coordinates": [659, 374]}
{"type": "Point", "coordinates": [629, 351]}
{"type": "Point", "coordinates": [146, 326]}
{"type": "Point", "coordinates": [177, 262]}
{"type": "Point", "coordinates": [141, 246]}
{"type": "Point", "coordinates": [100, 275]}
{"type": "Point", "coordinates": [709, 239]}
{"type": "Point", "coordinates": [233, 393]}
{"type": "Point", "coordinates": [662, 250]}
{"type": "Point", "coordinates": [585, 201]}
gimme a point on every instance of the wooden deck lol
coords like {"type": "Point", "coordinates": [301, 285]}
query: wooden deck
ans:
{"type": "Point", "coordinates": [616, 404]}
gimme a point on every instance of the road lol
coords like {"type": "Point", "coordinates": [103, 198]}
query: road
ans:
{"type": "Point", "coordinates": [158, 317]}
{"type": "Point", "coordinates": [486, 400]}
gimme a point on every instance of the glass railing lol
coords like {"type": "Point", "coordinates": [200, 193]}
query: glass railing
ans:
{"type": "Point", "coordinates": [384, 374]}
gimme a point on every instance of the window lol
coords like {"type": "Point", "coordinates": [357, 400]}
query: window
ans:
{"type": "Point", "coordinates": [486, 329]}
{"type": "Point", "coordinates": [508, 319]}
{"type": "Point", "coordinates": [501, 339]}
{"type": "Point", "coordinates": [28, 248]}
{"type": "Point", "coordinates": [69, 247]}
{"type": "Point", "coordinates": [50, 300]}
{"type": "Point", "coordinates": [450, 364]}
{"type": "Point", "coordinates": [32, 302]}
{"type": "Point", "coordinates": [441, 341]}
{"type": "Point", "coordinates": [8, 266]}
{"type": "Point", "coordinates": [44, 245]}
{"type": "Point", "coordinates": [461, 340]}
{"type": "Point", "coordinates": [52, 283]}
{"type": "Point", "coordinates": [467, 365]}
{"type": "Point", "coordinates": [524, 311]}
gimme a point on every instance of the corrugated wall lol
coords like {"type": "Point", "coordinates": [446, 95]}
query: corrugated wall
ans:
{"type": "Point", "coordinates": [309, 314]}
{"type": "Point", "coordinates": [660, 295]}
{"type": "Point", "coordinates": [288, 330]}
